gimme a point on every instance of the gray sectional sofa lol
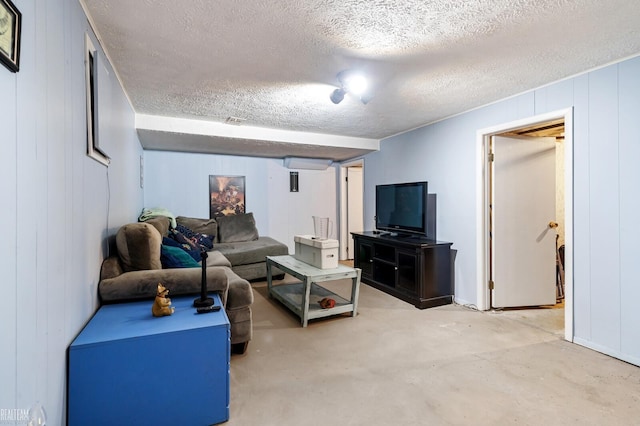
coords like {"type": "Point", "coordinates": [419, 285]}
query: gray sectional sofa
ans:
{"type": "Point", "coordinates": [238, 255]}
{"type": "Point", "coordinates": [238, 240]}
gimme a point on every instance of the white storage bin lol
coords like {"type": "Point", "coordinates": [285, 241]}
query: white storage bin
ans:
{"type": "Point", "coordinates": [322, 254]}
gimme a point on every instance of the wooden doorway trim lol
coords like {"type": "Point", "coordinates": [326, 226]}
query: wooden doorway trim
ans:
{"type": "Point", "coordinates": [482, 209]}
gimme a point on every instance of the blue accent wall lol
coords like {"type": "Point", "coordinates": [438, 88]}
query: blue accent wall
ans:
{"type": "Point", "coordinates": [606, 106]}
{"type": "Point", "coordinates": [179, 182]}
{"type": "Point", "coordinates": [59, 206]}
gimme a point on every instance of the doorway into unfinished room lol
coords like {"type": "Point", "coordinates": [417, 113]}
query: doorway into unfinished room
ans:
{"type": "Point", "coordinates": [525, 220]}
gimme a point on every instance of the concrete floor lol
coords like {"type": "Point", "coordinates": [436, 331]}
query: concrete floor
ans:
{"type": "Point", "coordinates": [397, 365]}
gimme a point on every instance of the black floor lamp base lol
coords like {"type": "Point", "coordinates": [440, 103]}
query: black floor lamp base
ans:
{"type": "Point", "coordinates": [202, 303]}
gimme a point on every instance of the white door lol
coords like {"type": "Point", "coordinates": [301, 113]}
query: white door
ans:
{"type": "Point", "coordinates": [355, 211]}
{"type": "Point", "coordinates": [523, 244]}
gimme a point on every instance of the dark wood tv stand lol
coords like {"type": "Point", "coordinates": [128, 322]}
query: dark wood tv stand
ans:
{"type": "Point", "coordinates": [414, 269]}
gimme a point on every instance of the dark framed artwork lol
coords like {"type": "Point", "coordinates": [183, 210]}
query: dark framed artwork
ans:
{"type": "Point", "coordinates": [10, 26]}
{"type": "Point", "coordinates": [91, 79]}
{"type": "Point", "coordinates": [226, 195]}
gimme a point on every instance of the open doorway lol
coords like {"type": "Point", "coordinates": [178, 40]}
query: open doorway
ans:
{"type": "Point", "coordinates": [524, 143]}
{"type": "Point", "coordinates": [351, 205]}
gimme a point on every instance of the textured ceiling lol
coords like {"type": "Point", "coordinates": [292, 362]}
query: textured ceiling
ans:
{"type": "Point", "coordinates": [274, 63]}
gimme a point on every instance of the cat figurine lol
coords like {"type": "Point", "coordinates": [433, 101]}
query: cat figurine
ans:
{"type": "Point", "coordinates": [162, 304]}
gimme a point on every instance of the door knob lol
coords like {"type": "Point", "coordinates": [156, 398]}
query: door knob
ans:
{"type": "Point", "coordinates": [553, 225]}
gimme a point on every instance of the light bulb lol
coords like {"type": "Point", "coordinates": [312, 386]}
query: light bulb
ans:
{"type": "Point", "coordinates": [356, 84]}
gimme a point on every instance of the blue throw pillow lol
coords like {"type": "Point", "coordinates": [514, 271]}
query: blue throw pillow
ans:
{"type": "Point", "coordinates": [176, 239]}
{"type": "Point", "coordinates": [175, 257]}
{"type": "Point", "coordinates": [205, 241]}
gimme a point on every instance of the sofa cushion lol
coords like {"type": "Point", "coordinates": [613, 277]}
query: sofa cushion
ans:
{"type": "Point", "coordinates": [176, 257]}
{"type": "Point", "coordinates": [215, 258]}
{"type": "Point", "coordinates": [139, 246]}
{"type": "Point", "coordinates": [247, 252]}
{"type": "Point", "coordinates": [202, 226]}
{"type": "Point", "coordinates": [161, 223]}
{"type": "Point", "coordinates": [235, 228]}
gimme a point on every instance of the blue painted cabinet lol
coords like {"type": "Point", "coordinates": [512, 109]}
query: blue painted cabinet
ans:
{"type": "Point", "coordinates": [128, 367]}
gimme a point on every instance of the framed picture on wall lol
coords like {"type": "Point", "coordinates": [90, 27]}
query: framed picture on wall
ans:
{"type": "Point", "coordinates": [226, 195]}
{"type": "Point", "coordinates": [91, 80]}
{"type": "Point", "coordinates": [10, 26]}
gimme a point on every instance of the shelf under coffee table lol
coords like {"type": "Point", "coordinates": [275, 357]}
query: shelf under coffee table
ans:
{"type": "Point", "coordinates": [302, 297]}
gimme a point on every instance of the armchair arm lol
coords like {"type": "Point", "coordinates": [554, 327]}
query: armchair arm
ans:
{"type": "Point", "coordinates": [111, 268]}
{"type": "Point", "coordinates": [143, 284]}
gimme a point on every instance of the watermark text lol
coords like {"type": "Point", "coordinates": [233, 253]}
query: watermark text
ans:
{"type": "Point", "coordinates": [14, 415]}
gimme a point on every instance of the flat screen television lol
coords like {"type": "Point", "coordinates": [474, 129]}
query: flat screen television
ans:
{"type": "Point", "coordinates": [406, 208]}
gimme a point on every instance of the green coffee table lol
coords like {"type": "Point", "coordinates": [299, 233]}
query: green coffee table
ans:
{"type": "Point", "coordinates": [302, 297]}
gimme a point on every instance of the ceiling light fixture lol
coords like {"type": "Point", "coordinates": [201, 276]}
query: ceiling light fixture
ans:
{"type": "Point", "coordinates": [352, 82]}
{"type": "Point", "coordinates": [337, 96]}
